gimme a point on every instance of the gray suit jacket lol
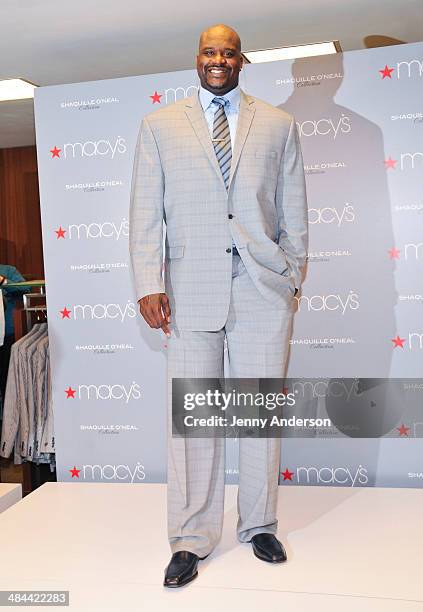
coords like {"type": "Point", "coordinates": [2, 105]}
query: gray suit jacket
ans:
{"type": "Point", "coordinates": [177, 180]}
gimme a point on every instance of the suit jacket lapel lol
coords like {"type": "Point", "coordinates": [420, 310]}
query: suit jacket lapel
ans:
{"type": "Point", "coordinates": [246, 114]}
{"type": "Point", "coordinates": [195, 114]}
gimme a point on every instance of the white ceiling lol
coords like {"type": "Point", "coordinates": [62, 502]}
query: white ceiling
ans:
{"type": "Point", "coordinates": [51, 41]}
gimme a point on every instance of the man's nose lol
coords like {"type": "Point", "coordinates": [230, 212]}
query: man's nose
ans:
{"type": "Point", "coordinates": [221, 59]}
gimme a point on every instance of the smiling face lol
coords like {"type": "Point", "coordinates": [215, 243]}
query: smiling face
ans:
{"type": "Point", "coordinates": [219, 59]}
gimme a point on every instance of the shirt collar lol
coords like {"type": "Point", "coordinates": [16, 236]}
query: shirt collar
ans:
{"type": "Point", "coordinates": [232, 96]}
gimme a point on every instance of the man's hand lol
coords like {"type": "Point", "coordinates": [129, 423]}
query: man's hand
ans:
{"type": "Point", "coordinates": [156, 311]}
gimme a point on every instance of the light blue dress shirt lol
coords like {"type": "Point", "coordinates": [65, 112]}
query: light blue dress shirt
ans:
{"type": "Point", "coordinates": [231, 109]}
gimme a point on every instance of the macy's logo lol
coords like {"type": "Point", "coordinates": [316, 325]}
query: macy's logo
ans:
{"type": "Point", "coordinates": [404, 69]}
{"type": "Point", "coordinates": [173, 94]}
{"type": "Point", "coordinates": [328, 475]}
{"type": "Point", "coordinates": [100, 311]}
{"type": "Point", "coordinates": [319, 303]}
{"type": "Point", "coordinates": [98, 472]}
{"type": "Point", "coordinates": [325, 126]}
{"type": "Point", "coordinates": [90, 148]}
{"type": "Point", "coordinates": [104, 392]}
{"type": "Point", "coordinates": [331, 215]}
{"type": "Point", "coordinates": [106, 229]}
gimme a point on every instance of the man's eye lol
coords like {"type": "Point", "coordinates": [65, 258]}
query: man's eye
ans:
{"type": "Point", "coordinates": [209, 52]}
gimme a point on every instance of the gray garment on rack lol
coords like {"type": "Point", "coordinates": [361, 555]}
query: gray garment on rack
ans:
{"type": "Point", "coordinates": [15, 418]}
{"type": "Point", "coordinates": [26, 389]}
{"type": "Point", "coordinates": [10, 423]}
{"type": "Point", "coordinates": [47, 440]}
{"type": "Point", "coordinates": [43, 439]}
{"type": "Point", "coordinates": [36, 399]}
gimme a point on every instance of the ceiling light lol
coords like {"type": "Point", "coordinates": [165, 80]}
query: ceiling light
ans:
{"type": "Point", "coordinates": [16, 89]}
{"type": "Point", "coordinates": [283, 53]}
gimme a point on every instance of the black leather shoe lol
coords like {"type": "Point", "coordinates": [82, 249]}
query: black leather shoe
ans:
{"type": "Point", "coordinates": [181, 569]}
{"type": "Point", "coordinates": [267, 547]}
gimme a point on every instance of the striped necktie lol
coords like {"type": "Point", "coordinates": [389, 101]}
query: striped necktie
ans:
{"type": "Point", "coordinates": [222, 139]}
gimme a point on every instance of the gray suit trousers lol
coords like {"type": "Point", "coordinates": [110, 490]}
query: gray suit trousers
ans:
{"type": "Point", "coordinates": [257, 334]}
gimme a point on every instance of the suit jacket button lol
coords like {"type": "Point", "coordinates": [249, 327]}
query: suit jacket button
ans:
{"type": "Point", "coordinates": [229, 250]}
{"type": "Point", "coordinates": [230, 216]}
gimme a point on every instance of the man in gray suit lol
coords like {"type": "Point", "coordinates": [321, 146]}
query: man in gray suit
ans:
{"type": "Point", "coordinates": [223, 171]}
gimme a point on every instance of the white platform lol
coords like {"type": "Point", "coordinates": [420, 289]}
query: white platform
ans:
{"type": "Point", "coordinates": [349, 550]}
{"type": "Point", "coordinates": [10, 493]}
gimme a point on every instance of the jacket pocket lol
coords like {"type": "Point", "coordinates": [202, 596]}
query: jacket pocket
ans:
{"type": "Point", "coordinates": [176, 252]}
{"type": "Point", "coordinates": [265, 153]}
{"type": "Point", "coordinates": [270, 256]}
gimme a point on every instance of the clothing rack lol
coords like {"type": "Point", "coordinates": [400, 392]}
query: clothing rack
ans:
{"type": "Point", "coordinates": [32, 310]}
{"type": "Point", "coordinates": [29, 307]}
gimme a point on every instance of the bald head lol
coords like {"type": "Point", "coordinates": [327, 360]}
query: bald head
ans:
{"type": "Point", "coordinates": [222, 31]}
{"type": "Point", "coordinates": [219, 59]}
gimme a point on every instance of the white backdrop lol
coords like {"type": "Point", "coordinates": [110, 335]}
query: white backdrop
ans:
{"type": "Point", "coordinates": [359, 313]}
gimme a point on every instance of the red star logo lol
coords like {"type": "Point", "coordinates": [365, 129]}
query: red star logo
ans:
{"type": "Point", "coordinates": [156, 97]}
{"type": "Point", "coordinates": [398, 342]}
{"type": "Point", "coordinates": [65, 313]}
{"type": "Point", "coordinates": [390, 163]}
{"type": "Point", "coordinates": [403, 430]}
{"type": "Point", "coordinates": [287, 475]}
{"type": "Point", "coordinates": [70, 393]}
{"type": "Point", "coordinates": [394, 253]}
{"type": "Point", "coordinates": [74, 472]}
{"type": "Point", "coordinates": [55, 152]}
{"type": "Point", "coordinates": [60, 232]}
{"type": "Point", "coordinates": [386, 72]}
